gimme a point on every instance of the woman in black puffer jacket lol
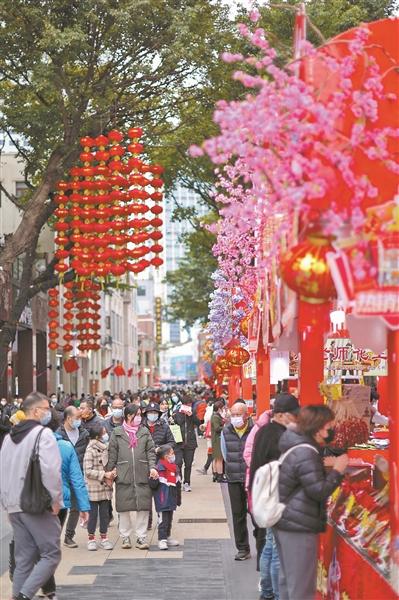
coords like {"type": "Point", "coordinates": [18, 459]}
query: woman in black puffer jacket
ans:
{"type": "Point", "coordinates": [304, 487]}
{"type": "Point", "coordinates": [159, 428]}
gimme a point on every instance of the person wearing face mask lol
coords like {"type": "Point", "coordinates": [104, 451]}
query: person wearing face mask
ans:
{"type": "Point", "coordinates": [304, 487]}
{"type": "Point", "coordinates": [71, 430]}
{"type": "Point", "coordinates": [72, 479]}
{"type": "Point", "coordinates": [265, 449]}
{"type": "Point", "coordinates": [217, 423]}
{"type": "Point", "coordinates": [233, 439]}
{"type": "Point", "coordinates": [102, 407]}
{"type": "Point", "coordinates": [185, 450]}
{"type": "Point", "coordinates": [36, 536]}
{"type": "Point", "coordinates": [99, 486]}
{"type": "Point", "coordinates": [167, 494]}
{"type": "Point", "coordinates": [115, 418]}
{"type": "Point", "coordinates": [88, 415]}
{"type": "Point", "coordinates": [132, 458]}
{"type": "Point", "coordinates": [159, 430]}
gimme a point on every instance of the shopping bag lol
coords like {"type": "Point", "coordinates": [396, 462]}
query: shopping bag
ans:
{"type": "Point", "coordinates": [176, 432]}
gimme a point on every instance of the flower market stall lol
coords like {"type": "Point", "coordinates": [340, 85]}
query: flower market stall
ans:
{"type": "Point", "coordinates": [308, 169]}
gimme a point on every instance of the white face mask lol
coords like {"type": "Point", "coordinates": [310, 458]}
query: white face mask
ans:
{"type": "Point", "coordinates": [237, 422]}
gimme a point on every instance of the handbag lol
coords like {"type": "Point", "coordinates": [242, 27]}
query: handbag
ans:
{"type": "Point", "coordinates": [35, 497]}
{"type": "Point", "coordinates": [176, 432]}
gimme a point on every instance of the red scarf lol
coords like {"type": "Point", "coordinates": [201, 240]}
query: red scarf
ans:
{"type": "Point", "coordinates": [169, 475]}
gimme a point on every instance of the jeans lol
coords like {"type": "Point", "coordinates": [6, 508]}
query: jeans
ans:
{"type": "Point", "coordinates": [73, 517]}
{"type": "Point", "coordinates": [165, 526]}
{"type": "Point", "coordinates": [98, 508]}
{"type": "Point", "coordinates": [185, 455]}
{"type": "Point", "coordinates": [269, 568]}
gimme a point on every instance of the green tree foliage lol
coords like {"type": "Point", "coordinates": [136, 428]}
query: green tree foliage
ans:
{"type": "Point", "coordinates": [326, 18]}
{"type": "Point", "coordinates": [74, 67]}
{"type": "Point", "coordinates": [191, 282]}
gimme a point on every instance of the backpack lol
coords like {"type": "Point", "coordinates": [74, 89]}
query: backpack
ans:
{"type": "Point", "coordinates": [266, 506]}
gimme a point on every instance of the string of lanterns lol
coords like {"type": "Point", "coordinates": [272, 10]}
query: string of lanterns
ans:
{"type": "Point", "coordinates": [108, 223]}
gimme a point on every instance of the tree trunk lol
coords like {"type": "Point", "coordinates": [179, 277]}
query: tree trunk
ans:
{"type": "Point", "coordinates": [9, 328]}
{"type": "Point", "coordinates": [25, 240]}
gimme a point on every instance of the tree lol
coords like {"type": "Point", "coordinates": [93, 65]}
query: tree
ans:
{"type": "Point", "coordinates": [69, 68]}
{"type": "Point", "coordinates": [191, 282]}
{"type": "Point", "coordinates": [326, 18]}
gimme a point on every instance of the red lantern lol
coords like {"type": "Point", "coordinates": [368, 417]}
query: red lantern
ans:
{"type": "Point", "coordinates": [156, 261]}
{"type": "Point", "coordinates": [135, 132]}
{"type": "Point", "coordinates": [237, 356]}
{"type": "Point", "coordinates": [305, 269]}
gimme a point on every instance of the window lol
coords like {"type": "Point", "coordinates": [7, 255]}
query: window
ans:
{"type": "Point", "coordinates": [141, 291]}
{"type": "Point", "coordinates": [147, 358]}
{"type": "Point", "coordinates": [20, 189]}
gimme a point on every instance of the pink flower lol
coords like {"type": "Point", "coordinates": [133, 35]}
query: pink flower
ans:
{"type": "Point", "coordinates": [195, 151]}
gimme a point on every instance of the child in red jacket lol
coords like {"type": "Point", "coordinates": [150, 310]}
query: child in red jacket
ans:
{"type": "Point", "coordinates": [167, 495]}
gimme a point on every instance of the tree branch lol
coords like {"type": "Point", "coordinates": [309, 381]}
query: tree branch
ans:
{"type": "Point", "coordinates": [11, 197]}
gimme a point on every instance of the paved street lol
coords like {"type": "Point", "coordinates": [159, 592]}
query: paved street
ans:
{"type": "Point", "coordinates": [202, 568]}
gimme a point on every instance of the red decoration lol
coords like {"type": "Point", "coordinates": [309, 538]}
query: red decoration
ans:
{"type": "Point", "coordinates": [71, 365]}
{"type": "Point", "coordinates": [237, 356]}
{"type": "Point", "coordinates": [119, 371]}
{"type": "Point", "coordinates": [305, 269]}
{"type": "Point", "coordinates": [100, 209]}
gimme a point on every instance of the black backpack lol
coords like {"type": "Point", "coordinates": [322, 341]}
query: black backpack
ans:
{"type": "Point", "coordinates": [35, 497]}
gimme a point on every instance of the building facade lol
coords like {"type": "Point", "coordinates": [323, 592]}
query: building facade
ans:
{"type": "Point", "coordinates": [28, 368]}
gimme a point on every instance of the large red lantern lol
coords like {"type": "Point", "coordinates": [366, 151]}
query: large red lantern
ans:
{"type": "Point", "coordinates": [305, 270]}
{"type": "Point", "coordinates": [237, 356]}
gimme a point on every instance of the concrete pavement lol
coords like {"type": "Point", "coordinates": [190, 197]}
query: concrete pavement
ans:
{"type": "Point", "coordinates": [201, 568]}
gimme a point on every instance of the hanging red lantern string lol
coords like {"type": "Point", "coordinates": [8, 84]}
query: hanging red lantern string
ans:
{"type": "Point", "coordinates": [53, 315]}
{"type": "Point", "coordinates": [103, 224]}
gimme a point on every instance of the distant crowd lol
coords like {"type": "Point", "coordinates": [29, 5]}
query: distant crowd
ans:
{"type": "Point", "coordinates": [122, 455]}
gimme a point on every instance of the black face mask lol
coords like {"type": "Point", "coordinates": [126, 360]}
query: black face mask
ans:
{"type": "Point", "coordinates": [330, 436]}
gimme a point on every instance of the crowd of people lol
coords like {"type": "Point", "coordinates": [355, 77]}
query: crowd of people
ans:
{"type": "Point", "coordinates": [120, 456]}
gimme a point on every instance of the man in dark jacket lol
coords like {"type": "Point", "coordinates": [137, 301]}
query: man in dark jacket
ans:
{"type": "Point", "coordinates": [234, 436]}
{"type": "Point", "coordinates": [116, 418]}
{"type": "Point", "coordinates": [185, 450]}
{"type": "Point", "coordinates": [266, 449]}
{"type": "Point", "coordinates": [72, 431]}
{"type": "Point", "coordinates": [89, 417]}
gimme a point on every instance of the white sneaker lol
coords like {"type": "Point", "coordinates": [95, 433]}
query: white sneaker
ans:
{"type": "Point", "coordinates": [187, 487]}
{"type": "Point", "coordinates": [126, 543]}
{"type": "Point", "coordinates": [172, 542]}
{"type": "Point", "coordinates": [106, 545]}
{"type": "Point", "coordinates": [163, 544]}
{"type": "Point", "coordinates": [92, 545]}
